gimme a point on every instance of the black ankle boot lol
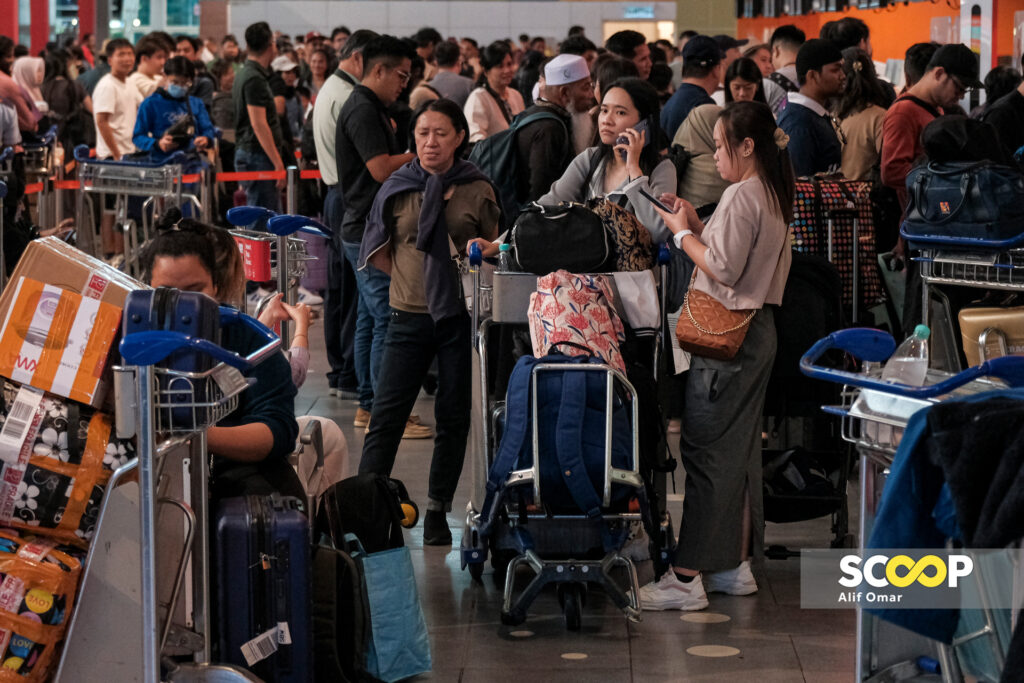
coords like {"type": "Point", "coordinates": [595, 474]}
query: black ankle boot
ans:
{"type": "Point", "coordinates": [435, 529]}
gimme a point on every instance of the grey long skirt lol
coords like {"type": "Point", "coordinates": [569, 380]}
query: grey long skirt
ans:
{"type": "Point", "coordinates": [721, 451]}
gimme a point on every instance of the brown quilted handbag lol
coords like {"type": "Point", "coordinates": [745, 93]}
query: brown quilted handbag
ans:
{"type": "Point", "coordinates": [632, 241]}
{"type": "Point", "coordinates": [709, 329]}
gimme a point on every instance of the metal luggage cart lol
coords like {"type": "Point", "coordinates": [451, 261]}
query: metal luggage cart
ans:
{"type": "Point", "coordinates": [874, 415]}
{"type": "Point", "coordinates": [158, 184]}
{"type": "Point", "coordinates": [561, 547]}
{"type": "Point", "coordinates": [277, 254]}
{"type": "Point", "coordinates": [168, 411]}
{"type": "Point", "coordinates": [40, 159]}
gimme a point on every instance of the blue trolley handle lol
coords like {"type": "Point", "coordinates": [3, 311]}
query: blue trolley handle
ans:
{"type": "Point", "coordinates": [47, 139]}
{"type": "Point", "coordinates": [876, 346]}
{"type": "Point", "coordinates": [3, 189]}
{"type": "Point", "coordinates": [6, 155]}
{"type": "Point", "coordinates": [241, 216]}
{"type": "Point", "coordinates": [82, 156]}
{"type": "Point", "coordinates": [288, 224]}
{"type": "Point", "coordinates": [962, 242]}
{"type": "Point", "coordinates": [152, 347]}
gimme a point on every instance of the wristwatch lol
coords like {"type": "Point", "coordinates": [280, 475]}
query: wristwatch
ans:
{"type": "Point", "coordinates": [678, 237]}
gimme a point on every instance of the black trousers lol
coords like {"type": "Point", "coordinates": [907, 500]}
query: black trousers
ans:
{"type": "Point", "coordinates": [413, 341]}
{"type": "Point", "coordinates": [341, 300]}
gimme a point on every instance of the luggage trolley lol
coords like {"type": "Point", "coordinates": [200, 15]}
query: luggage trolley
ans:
{"type": "Point", "coordinates": [874, 415]}
{"type": "Point", "coordinates": [165, 410]}
{"type": "Point", "coordinates": [157, 183]}
{"type": "Point", "coordinates": [559, 548]}
{"type": "Point", "coordinates": [277, 255]}
{"type": "Point", "coordinates": [40, 163]}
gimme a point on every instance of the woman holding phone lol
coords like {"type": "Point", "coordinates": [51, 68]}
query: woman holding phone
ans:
{"type": "Point", "coordinates": [742, 257]}
{"type": "Point", "coordinates": [625, 161]}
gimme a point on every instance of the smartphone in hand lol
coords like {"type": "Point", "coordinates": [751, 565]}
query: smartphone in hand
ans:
{"type": "Point", "coordinates": [647, 195]}
{"type": "Point", "coordinates": [641, 127]}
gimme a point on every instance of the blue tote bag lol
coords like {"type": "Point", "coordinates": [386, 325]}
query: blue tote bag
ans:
{"type": "Point", "coordinates": [399, 645]}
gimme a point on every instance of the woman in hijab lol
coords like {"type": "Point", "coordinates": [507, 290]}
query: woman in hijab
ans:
{"type": "Point", "coordinates": [701, 183]}
{"type": "Point", "coordinates": [28, 72]}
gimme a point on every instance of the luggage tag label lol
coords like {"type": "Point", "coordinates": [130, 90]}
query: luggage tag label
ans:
{"type": "Point", "coordinates": [229, 380]}
{"type": "Point", "coordinates": [260, 647]}
{"type": "Point", "coordinates": [16, 441]}
{"type": "Point", "coordinates": [284, 636]}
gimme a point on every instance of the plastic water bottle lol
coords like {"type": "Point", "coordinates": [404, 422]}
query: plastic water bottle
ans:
{"type": "Point", "coordinates": [504, 259]}
{"type": "Point", "coordinates": [909, 364]}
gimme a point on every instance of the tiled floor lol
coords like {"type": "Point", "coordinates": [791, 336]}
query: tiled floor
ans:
{"type": "Point", "coordinates": [775, 639]}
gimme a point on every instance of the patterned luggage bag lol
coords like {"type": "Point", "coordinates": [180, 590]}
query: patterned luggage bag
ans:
{"type": "Point", "coordinates": [832, 204]}
{"type": "Point", "coordinates": [575, 311]}
{"type": "Point", "coordinates": [631, 240]}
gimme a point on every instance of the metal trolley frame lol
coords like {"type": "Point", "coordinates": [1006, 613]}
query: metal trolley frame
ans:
{"type": "Point", "coordinates": [877, 436]}
{"type": "Point", "coordinates": [166, 410]}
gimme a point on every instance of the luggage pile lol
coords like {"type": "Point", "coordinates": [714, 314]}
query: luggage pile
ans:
{"type": "Point", "coordinates": [61, 316]}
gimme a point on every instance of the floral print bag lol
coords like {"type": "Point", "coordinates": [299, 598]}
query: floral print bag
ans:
{"type": "Point", "coordinates": [574, 314]}
{"type": "Point", "coordinates": [55, 485]}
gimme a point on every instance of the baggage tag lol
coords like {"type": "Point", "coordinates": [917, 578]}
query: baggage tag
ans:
{"type": "Point", "coordinates": [260, 647]}
{"type": "Point", "coordinates": [284, 636]}
{"type": "Point", "coordinates": [229, 380]}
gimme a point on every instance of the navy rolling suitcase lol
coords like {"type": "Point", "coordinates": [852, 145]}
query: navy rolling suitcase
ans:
{"type": "Point", "coordinates": [263, 578]}
{"type": "Point", "coordinates": [191, 313]}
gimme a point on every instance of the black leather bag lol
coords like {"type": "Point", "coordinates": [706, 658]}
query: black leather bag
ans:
{"type": "Point", "coordinates": [563, 237]}
{"type": "Point", "coordinates": [971, 200]}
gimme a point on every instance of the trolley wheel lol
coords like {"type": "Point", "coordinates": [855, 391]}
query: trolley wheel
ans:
{"type": "Point", "coordinates": [513, 618]}
{"type": "Point", "coordinates": [476, 571]}
{"type": "Point", "coordinates": [570, 595]}
{"type": "Point", "coordinates": [410, 514]}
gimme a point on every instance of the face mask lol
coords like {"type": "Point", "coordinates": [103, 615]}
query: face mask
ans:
{"type": "Point", "coordinates": [176, 91]}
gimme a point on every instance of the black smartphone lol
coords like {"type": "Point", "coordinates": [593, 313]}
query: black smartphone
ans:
{"type": "Point", "coordinates": [641, 127]}
{"type": "Point", "coordinates": [647, 195]}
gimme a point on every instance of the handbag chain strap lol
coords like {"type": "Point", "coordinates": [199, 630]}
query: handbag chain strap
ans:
{"type": "Point", "coordinates": [700, 328]}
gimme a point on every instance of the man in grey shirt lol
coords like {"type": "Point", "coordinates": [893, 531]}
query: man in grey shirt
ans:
{"type": "Point", "coordinates": [447, 82]}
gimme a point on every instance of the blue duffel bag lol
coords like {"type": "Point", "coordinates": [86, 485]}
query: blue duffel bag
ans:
{"type": "Point", "coordinates": [571, 436]}
{"type": "Point", "coordinates": [965, 200]}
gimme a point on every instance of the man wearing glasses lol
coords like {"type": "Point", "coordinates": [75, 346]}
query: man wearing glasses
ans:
{"type": "Point", "coordinates": [949, 76]}
{"type": "Point", "coordinates": [368, 151]}
{"type": "Point", "coordinates": [951, 73]}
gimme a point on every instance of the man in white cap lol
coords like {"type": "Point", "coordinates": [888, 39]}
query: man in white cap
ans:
{"type": "Point", "coordinates": [545, 145]}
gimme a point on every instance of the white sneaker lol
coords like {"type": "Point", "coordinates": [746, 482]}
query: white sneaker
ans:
{"type": "Point", "coordinates": [671, 593]}
{"type": "Point", "coordinates": [309, 298]}
{"type": "Point", "coordinates": [738, 581]}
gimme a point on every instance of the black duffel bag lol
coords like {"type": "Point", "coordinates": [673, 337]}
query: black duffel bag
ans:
{"type": "Point", "coordinates": [562, 237]}
{"type": "Point", "coordinates": [970, 200]}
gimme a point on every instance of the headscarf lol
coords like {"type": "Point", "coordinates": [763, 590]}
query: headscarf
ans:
{"type": "Point", "coordinates": [26, 72]}
{"type": "Point", "coordinates": [701, 183]}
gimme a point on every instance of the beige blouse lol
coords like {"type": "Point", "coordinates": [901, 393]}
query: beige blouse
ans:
{"type": "Point", "coordinates": [863, 149]}
{"type": "Point", "coordinates": [748, 249]}
{"type": "Point", "coordinates": [484, 115]}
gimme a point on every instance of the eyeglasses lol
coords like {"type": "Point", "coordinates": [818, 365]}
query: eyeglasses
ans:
{"type": "Point", "coordinates": [960, 85]}
{"type": "Point", "coordinates": [404, 75]}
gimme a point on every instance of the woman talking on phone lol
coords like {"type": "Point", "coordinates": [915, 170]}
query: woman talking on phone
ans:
{"type": "Point", "coordinates": [627, 159]}
{"type": "Point", "coordinates": [742, 257]}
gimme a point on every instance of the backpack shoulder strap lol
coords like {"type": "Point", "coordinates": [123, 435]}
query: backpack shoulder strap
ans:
{"type": "Point", "coordinates": [517, 404]}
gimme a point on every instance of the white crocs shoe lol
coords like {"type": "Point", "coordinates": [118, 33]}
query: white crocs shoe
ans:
{"type": "Point", "coordinates": [671, 593]}
{"type": "Point", "coordinates": [738, 581]}
{"type": "Point", "coordinates": [309, 298]}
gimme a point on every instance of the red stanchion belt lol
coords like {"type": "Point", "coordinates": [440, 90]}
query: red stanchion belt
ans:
{"type": "Point", "coordinates": [251, 175]}
{"type": "Point", "coordinates": [311, 174]}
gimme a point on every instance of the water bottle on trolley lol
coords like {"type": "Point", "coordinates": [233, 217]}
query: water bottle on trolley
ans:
{"type": "Point", "coordinates": [909, 363]}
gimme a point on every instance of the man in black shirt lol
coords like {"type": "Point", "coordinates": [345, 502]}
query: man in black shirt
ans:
{"type": "Point", "coordinates": [702, 73]}
{"type": "Point", "coordinates": [258, 139]}
{"type": "Point", "coordinates": [368, 151]}
{"type": "Point", "coordinates": [1007, 116]}
{"type": "Point", "coordinates": [544, 147]}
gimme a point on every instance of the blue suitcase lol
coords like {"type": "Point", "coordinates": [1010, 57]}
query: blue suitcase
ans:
{"type": "Point", "coordinates": [191, 313]}
{"type": "Point", "coordinates": [263, 576]}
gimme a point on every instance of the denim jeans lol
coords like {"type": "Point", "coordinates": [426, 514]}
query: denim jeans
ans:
{"type": "Point", "coordinates": [414, 340]}
{"type": "Point", "coordinates": [372, 317]}
{"type": "Point", "coordinates": [258, 192]}
{"type": "Point", "coordinates": [341, 300]}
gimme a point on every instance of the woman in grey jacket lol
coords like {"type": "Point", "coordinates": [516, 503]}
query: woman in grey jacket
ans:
{"type": "Point", "coordinates": [615, 169]}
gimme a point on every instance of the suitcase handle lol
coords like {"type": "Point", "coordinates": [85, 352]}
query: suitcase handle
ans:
{"type": "Point", "coordinates": [876, 346]}
{"type": "Point", "coordinates": [968, 242]}
{"type": "Point", "coordinates": [153, 346]}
